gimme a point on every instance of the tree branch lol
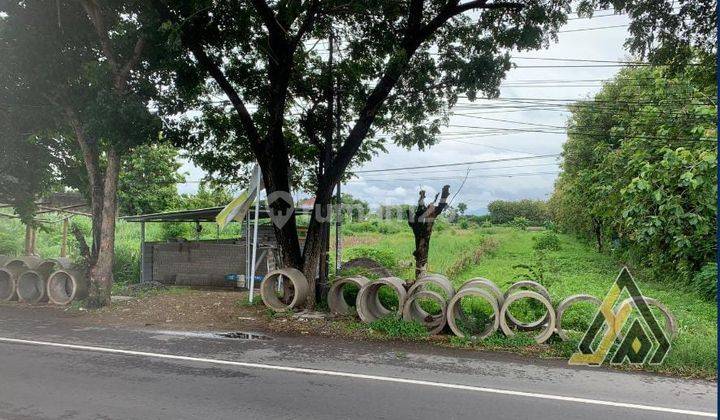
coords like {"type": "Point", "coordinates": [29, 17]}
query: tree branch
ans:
{"type": "Point", "coordinates": [132, 62]}
{"type": "Point", "coordinates": [275, 29]}
{"type": "Point", "coordinates": [207, 63]}
{"type": "Point", "coordinates": [393, 71]}
{"type": "Point", "coordinates": [306, 24]}
{"type": "Point", "coordinates": [93, 11]}
{"type": "Point", "coordinates": [120, 75]}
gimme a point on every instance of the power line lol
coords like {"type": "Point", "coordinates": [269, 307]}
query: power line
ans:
{"type": "Point", "coordinates": [454, 178]}
{"type": "Point", "coordinates": [457, 164]}
{"type": "Point", "coordinates": [595, 28]}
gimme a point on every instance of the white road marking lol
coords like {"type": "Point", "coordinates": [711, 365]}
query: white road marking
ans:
{"type": "Point", "coordinates": [365, 377]}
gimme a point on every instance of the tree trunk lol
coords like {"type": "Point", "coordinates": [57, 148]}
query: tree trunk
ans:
{"type": "Point", "coordinates": [315, 243]}
{"type": "Point", "coordinates": [421, 222]}
{"type": "Point", "coordinates": [101, 273]}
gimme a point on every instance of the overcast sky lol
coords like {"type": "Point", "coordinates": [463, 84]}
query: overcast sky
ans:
{"type": "Point", "coordinates": [463, 142]}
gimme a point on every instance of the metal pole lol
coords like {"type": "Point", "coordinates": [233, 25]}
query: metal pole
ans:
{"type": "Point", "coordinates": [247, 251]}
{"type": "Point", "coordinates": [255, 240]}
{"type": "Point", "coordinates": [142, 252]}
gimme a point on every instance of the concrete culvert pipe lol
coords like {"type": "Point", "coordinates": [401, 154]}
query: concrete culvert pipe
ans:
{"type": "Point", "coordinates": [8, 285]}
{"type": "Point", "coordinates": [456, 317]}
{"type": "Point", "coordinates": [440, 283]}
{"type": "Point", "coordinates": [337, 298]}
{"type": "Point", "coordinates": [28, 263]}
{"type": "Point", "coordinates": [413, 312]}
{"type": "Point", "coordinates": [537, 288]}
{"type": "Point", "coordinates": [489, 285]}
{"type": "Point", "coordinates": [65, 286]}
{"type": "Point", "coordinates": [432, 282]}
{"type": "Point", "coordinates": [671, 328]}
{"type": "Point", "coordinates": [549, 328]}
{"type": "Point", "coordinates": [31, 287]}
{"type": "Point", "coordinates": [565, 305]}
{"type": "Point", "coordinates": [368, 304]}
{"type": "Point", "coordinates": [51, 265]}
{"type": "Point", "coordinates": [297, 282]}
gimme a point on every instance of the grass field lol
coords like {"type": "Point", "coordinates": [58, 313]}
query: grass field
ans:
{"type": "Point", "coordinates": [573, 269]}
{"type": "Point", "coordinates": [462, 254]}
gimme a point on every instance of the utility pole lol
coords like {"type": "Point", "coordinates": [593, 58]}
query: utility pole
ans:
{"type": "Point", "coordinates": [323, 284]}
{"type": "Point", "coordinates": [338, 201]}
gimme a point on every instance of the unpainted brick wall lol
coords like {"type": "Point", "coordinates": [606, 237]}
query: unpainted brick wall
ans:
{"type": "Point", "coordinates": [202, 263]}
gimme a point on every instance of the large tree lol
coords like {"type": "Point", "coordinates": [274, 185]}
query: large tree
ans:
{"type": "Point", "coordinates": [80, 67]}
{"type": "Point", "coordinates": [387, 70]}
{"type": "Point", "coordinates": [643, 171]}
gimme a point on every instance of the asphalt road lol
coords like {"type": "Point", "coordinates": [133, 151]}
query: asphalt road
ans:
{"type": "Point", "coordinates": [60, 369]}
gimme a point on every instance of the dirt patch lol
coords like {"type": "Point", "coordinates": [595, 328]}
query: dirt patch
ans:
{"type": "Point", "coordinates": [182, 309]}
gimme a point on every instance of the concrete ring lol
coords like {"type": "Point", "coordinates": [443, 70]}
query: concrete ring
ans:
{"type": "Point", "coordinates": [368, 303]}
{"type": "Point", "coordinates": [670, 322]}
{"type": "Point", "coordinates": [433, 323]}
{"type": "Point", "coordinates": [538, 288]}
{"type": "Point", "coordinates": [336, 295]}
{"type": "Point", "coordinates": [440, 281]}
{"type": "Point", "coordinates": [268, 286]}
{"type": "Point", "coordinates": [489, 285]}
{"type": "Point", "coordinates": [454, 311]}
{"type": "Point", "coordinates": [549, 328]}
{"type": "Point", "coordinates": [564, 305]}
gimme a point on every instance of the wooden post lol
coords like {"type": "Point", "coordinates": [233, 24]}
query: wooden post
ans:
{"type": "Point", "coordinates": [63, 245]}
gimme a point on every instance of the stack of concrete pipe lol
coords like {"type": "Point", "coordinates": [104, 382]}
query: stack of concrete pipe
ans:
{"type": "Point", "coordinates": [287, 289]}
{"type": "Point", "coordinates": [34, 280]}
{"type": "Point", "coordinates": [439, 289]}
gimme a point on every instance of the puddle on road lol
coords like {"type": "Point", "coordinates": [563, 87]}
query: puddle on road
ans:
{"type": "Point", "coordinates": [233, 335]}
{"type": "Point", "coordinates": [244, 336]}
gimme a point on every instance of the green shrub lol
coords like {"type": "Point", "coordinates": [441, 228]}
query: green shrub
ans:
{"type": "Point", "coordinates": [520, 223]}
{"type": "Point", "coordinates": [548, 241]}
{"type": "Point", "coordinates": [705, 281]}
{"type": "Point", "coordinates": [382, 256]}
{"type": "Point", "coordinates": [175, 231]}
{"type": "Point", "coordinates": [486, 224]}
{"type": "Point", "coordinates": [464, 224]}
{"type": "Point", "coordinates": [398, 328]}
{"type": "Point", "coordinates": [385, 227]}
{"type": "Point", "coordinates": [126, 268]}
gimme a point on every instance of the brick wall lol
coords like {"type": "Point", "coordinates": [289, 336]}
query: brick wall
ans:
{"type": "Point", "coordinates": [202, 263]}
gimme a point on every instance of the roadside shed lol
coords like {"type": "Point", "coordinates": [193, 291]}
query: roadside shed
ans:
{"type": "Point", "coordinates": [216, 263]}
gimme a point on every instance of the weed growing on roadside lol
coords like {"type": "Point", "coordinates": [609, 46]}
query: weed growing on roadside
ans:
{"type": "Point", "coordinates": [398, 328]}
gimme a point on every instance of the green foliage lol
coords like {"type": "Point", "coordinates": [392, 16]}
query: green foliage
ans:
{"type": "Point", "coordinates": [175, 230]}
{"type": "Point", "coordinates": [206, 196]}
{"type": "Point", "coordinates": [398, 328]}
{"type": "Point", "coordinates": [354, 209]}
{"type": "Point", "coordinates": [461, 208]}
{"type": "Point", "coordinates": [548, 241]}
{"type": "Point", "coordinates": [382, 256]}
{"type": "Point", "coordinates": [472, 61]}
{"type": "Point", "coordinates": [520, 223]}
{"type": "Point", "coordinates": [705, 281]}
{"type": "Point", "coordinates": [148, 181]}
{"type": "Point", "coordinates": [534, 211]}
{"type": "Point", "coordinates": [649, 182]}
{"type": "Point", "coordinates": [672, 36]}
{"type": "Point", "coordinates": [464, 224]}
{"type": "Point", "coordinates": [385, 227]}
